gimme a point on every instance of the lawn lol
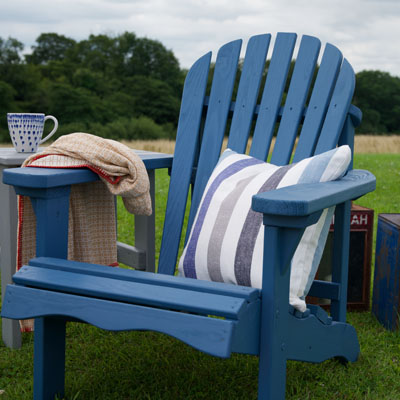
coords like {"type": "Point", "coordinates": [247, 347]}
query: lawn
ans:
{"type": "Point", "coordinates": [139, 365]}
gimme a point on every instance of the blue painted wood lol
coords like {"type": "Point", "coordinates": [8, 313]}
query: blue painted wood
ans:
{"type": "Point", "coordinates": [49, 361]}
{"type": "Point", "coordinates": [317, 107]}
{"type": "Point", "coordinates": [46, 177]}
{"type": "Point", "coordinates": [340, 262]}
{"type": "Point", "coordinates": [347, 137]}
{"type": "Point", "coordinates": [295, 101]}
{"type": "Point", "coordinates": [216, 119]}
{"type": "Point", "coordinates": [325, 290]}
{"type": "Point", "coordinates": [52, 213]}
{"type": "Point", "coordinates": [185, 156]}
{"type": "Point", "coordinates": [386, 291]}
{"type": "Point", "coordinates": [246, 98]}
{"type": "Point", "coordinates": [50, 177]}
{"type": "Point", "coordinates": [337, 110]}
{"type": "Point", "coordinates": [320, 314]}
{"type": "Point", "coordinates": [316, 342]}
{"type": "Point", "coordinates": [246, 338]}
{"type": "Point", "coordinates": [211, 335]}
{"type": "Point", "coordinates": [131, 292]}
{"type": "Point", "coordinates": [272, 94]}
{"type": "Point", "coordinates": [305, 199]}
{"type": "Point", "coordinates": [275, 315]}
{"type": "Point", "coordinates": [291, 221]}
{"type": "Point", "coordinates": [219, 288]}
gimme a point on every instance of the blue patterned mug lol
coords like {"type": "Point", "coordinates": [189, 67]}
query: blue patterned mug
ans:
{"type": "Point", "coordinates": [26, 130]}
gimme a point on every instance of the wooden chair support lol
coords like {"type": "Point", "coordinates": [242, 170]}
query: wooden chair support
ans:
{"type": "Point", "coordinates": [317, 112]}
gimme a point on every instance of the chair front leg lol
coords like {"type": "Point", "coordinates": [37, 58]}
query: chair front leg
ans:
{"type": "Point", "coordinates": [49, 358]}
{"type": "Point", "coordinates": [279, 246]}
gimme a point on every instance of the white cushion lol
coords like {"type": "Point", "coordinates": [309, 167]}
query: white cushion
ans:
{"type": "Point", "coordinates": [226, 240]}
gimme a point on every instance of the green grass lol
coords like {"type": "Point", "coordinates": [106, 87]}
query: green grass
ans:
{"type": "Point", "coordinates": [139, 365]}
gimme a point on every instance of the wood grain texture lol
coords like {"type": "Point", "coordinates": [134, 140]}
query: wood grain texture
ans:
{"type": "Point", "coordinates": [305, 199]}
{"type": "Point", "coordinates": [246, 98]}
{"type": "Point", "coordinates": [338, 109]}
{"type": "Point", "coordinates": [223, 289]}
{"type": "Point", "coordinates": [216, 119]}
{"type": "Point", "coordinates": [272, 94]}
{"type": "Point", "coordinates": [55, 177]}
{"type": "Point", "coordinates": [319, 101]}
{"type": "Point", "coordinates": [304, 68]}
{"type": "Point", "coordinates": [186, 147]}
{"type": "Point", "coordinates": [130, 292]}
{"type": "Point", "coordinates": [210, 335]}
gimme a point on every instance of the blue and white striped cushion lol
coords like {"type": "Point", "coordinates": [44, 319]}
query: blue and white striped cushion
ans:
{"type": "Point", "coordinates": [226, 240]}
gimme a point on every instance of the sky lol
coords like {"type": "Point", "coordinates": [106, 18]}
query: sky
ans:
{"type": "Point", "coordinates": [366, 31]}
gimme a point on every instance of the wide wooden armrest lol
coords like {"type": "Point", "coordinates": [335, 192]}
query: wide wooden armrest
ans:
{"type": "Point", "coordinates": [46, 178]}
{"type": "Point", "coordinates": [305, 199]}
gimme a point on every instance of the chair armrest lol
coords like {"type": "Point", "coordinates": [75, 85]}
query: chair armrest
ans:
{"type": "Point", "coordinates": [46, 178]}
{"type": "Point", "coordinates": [305, 199]}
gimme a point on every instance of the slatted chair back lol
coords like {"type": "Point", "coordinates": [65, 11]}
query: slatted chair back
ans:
{"type": "Point", "coordinates": [308, 116]}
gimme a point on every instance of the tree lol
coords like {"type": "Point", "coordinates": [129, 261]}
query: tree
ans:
{"type": "Point", "coordinates": [153, 98]}
{"type": "Point", "coordinates": [50, 47]}
{"type": "Point", "coordinates": [146, 57]}
{"type": "Point", "coordinates": [10, 50]}
{"type": "Point", "coordinates": [377, 94]}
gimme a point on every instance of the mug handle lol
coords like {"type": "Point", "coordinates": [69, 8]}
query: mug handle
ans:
{"type": "Point", "coordinates": [54, 129]}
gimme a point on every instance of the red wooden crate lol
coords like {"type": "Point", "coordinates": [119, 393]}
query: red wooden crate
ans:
{"type": "Point", "coordinates": [360, 254]}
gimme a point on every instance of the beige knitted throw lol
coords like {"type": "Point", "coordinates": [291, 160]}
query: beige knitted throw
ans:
{"type": "Point", "coordinates": [92, 225]}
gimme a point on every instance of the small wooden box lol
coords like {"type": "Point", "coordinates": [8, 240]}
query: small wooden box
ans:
{"type": "Point", "coordinates": [386, 293]}
{"type": "Point", "coordinates": [360, 255]}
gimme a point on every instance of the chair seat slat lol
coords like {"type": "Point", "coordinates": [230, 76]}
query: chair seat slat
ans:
{"type": "Point", "coordinates": [130, 292]}
{"type": "Point", "coordinates": [219, 288]}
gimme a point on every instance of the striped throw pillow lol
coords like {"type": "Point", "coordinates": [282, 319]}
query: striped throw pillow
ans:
{"type": "Point", "coordinates": [226, 240]}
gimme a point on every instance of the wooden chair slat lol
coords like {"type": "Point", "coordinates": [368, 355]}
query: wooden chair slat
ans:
{"type": "Point", "coordinates": [130, 292]}
{"type": "Point", "coordinates": [216, 119]}
{"type": "Point", "coordinates": [336, 116]}
{"type": "Point", "coordinates": [247, 293]}
{"type": "Point", "coordinates": [296, 98]}
{"type": "Point", "coordinates": [317, 107]}
{"type": "Point", "coordinates": [272, 95]}
{"type": "Point", "coordinates": [246, 98]}
{"type": "Point", "coordinates": [185, 155]}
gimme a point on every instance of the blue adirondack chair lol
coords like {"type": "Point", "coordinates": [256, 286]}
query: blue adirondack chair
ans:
{"type": "Point", "coordinates": [54, 290]}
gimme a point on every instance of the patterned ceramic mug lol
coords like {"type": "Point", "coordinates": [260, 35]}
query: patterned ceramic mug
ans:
{"type": "Point", "coordinates": [26, 130]}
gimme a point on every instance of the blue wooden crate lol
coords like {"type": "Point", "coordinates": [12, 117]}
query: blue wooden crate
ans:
{"type": "Point", "coordinates": [386, 294]}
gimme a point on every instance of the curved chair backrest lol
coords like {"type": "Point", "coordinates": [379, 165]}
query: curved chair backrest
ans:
{"type": "Point", "coordinates": [317, 112]}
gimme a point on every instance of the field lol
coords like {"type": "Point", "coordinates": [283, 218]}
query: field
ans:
{"type": "Point", "coordinates": [139, 365]}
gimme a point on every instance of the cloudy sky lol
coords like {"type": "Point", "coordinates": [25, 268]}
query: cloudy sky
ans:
{"type": "Point", "coordinates": [366, 31]}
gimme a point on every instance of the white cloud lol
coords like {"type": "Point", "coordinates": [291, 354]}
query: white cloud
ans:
{"type": "Point", "coordinates": [366, 31]}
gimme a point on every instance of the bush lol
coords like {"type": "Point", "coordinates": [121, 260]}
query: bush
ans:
{"type": "Point", "coordinates": [121, 129]}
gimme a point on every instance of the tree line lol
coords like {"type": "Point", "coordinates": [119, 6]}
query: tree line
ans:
{"type": "Point", "coordinates": [127, 87]}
